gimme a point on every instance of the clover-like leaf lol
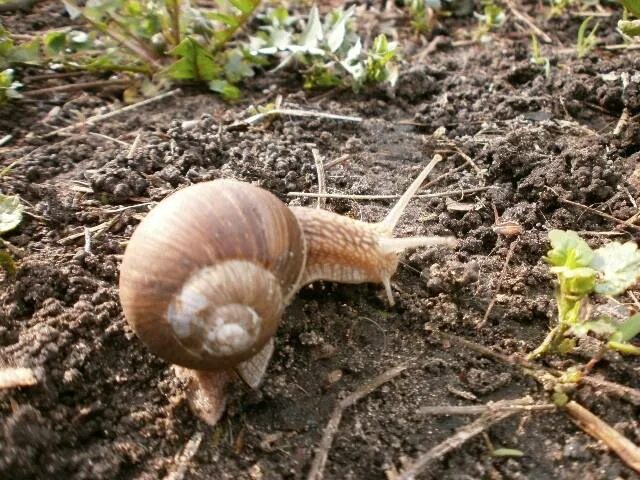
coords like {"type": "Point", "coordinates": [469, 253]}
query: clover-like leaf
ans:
{"type": "Point", "coordinates": [600, 327]}
{"type": "Point", "coordinates": [619, 266]}
{"type": "Point", "coordinates": [10, 212]}
{"type": "Point", "coordinates": [568, 249]}
{"type": "Point", "coordinates": [627, 330]}
{"type": "Point", "coordinates": [629, 27]}
{"type": "Point", "coordinates": [576, 281]}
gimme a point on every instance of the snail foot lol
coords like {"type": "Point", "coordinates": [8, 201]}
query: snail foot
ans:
{"type": "Point", "coordinates": [206, 392]}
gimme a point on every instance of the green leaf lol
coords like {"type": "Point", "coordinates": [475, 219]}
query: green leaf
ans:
{"type": "Point", "coordinates": [576, 281]}
{"type": "Point", "coordinates": [586, 42]}
{"type": "Point", "coordinates": [312, 33]}
{"type": "Point", "coordinates": [7, 263]}
{"type": "Point", "coordinates": [27, 53]}
{"type": "Point", "coordinates": [72, 9]}
{"type": "Point", "coordinates": [379, 61]}
{"type": "Point", "coordinates": [237, 67]}
{"type": "Point", "coordinates": [54, 42]}
{"type": "Point", "coordinates": [633, 6]}
{"type": "Point", "coordinates": [629, 27]}
{"type": "Point", "coordinates": [8, 87]}
{"type": "Point", "coordinates": [568, 249]}
{"type": "Point", "coordinates": [352, 64]}
{"type": "Point", "coordinates": [629, 329]}
{"type": "Point", "coordinates": [335, 35]}
{"type": "Point", "coordinates": [602, 328]}
{"type": "Point", "coordinates": [10, 212]}
{"type": "Point", "coordinates": [195, 63]}
{"type": "Point", "coordinates": [228, 20]}
{"type": "Point", "coordinates": [245, 6]}
{"type": "Point", "coordinates": [619, 265]}
{"type": "Point", "coordinates": [224, 88]}
{"type": "Point", "coordinates": [624, 347]}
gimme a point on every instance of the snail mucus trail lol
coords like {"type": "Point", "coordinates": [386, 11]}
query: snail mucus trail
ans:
{"type": "Point", "coordinates": [207, 274]}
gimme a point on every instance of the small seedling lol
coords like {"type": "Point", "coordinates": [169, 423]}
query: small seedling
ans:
{"type": "Point", "coordinates": [581, 272]}
{"type": "Point", "coordinates": [537, 58]}
{"type": "Point", "coordinates": [329, 50]}
{"type": "Point", "coordinates": [423, 14]}
{"type": "Point", "coordinates": [558, 7]}
{"type": "Point", "coordinates": [586, 42]}
{"type": "Point", "coordinates": [492, 17]}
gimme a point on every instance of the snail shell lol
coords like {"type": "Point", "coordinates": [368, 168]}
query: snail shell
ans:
{"type": "Point", "coordinates": [208, 272]}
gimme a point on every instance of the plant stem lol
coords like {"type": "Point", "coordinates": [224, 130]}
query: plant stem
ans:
{"type": "Point", "coordinates": [228, 33]}
{"type": "Point", "coordinates": [547, 343]}
{"type": "Point", "coordinates": [141, 48]}
{"type": "Point", "coordinates": [173, 8]}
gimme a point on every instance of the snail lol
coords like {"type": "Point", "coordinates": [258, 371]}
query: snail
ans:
{"type": "Point", "coordinates": [207, 274]}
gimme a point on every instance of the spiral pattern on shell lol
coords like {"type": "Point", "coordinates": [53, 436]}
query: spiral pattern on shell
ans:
{"type": "Point", "coordinates": [207, 274]}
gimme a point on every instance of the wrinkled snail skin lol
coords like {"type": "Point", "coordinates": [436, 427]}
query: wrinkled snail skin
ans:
{"type": "Point", "coordinates": [342, 249]}
{"type": "Point", "coordinates": [207, 274]}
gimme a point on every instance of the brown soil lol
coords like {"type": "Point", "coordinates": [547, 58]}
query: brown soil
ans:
{"type": "Point", "coordinates": [106, 408]}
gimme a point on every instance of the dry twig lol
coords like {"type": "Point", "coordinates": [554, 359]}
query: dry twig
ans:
{"type": "Point", "coordinates": [480, 409]}
{"type": "Point", "coordinates": [72, 87]}
{"type": "Point", "coordinates": [623, 392]}
{"type": "Point", "coordinates": [507, 259]}
{"type": "Point", "coordinates": [17, 377]}
{"type": "Point", "coordinates": [294, 113]}
{"type": "Point", "coordinates": [322, 452]}
{"type": "Point", "coordinates": [461, 436]}
{"type": "Point", "coordinates": [626, 223]}
{"type": "Point", "coordinates": [183, 459]}
{"type": "Point", "coordinates": [134, 146]}
{"type": "Point", "coordinates": [388, 197]}
{"type": "Point", "coordinates": [98, 118]}
{"type": "Point", "coordinates": [107, 137]}
{"type": "Point", "coordinates": [628, 451]}
{"type": "Point", "coordinates": [336, 161]}
{"type": "Point", "coordinates": [523, 17]}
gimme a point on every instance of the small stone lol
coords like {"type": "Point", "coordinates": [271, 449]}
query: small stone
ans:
{"type": "Point", "coordinates": [332, 377]}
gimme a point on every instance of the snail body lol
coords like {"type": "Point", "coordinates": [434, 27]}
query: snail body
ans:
{"type": "Point", "coordinates": [207, 274]}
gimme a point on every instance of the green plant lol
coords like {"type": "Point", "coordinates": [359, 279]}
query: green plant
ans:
{"type": "Point", "coordinates": [423, 14]}
{"type": "Point", "coordinates": [586, 41]}
{"type": "Point", "coordinates": [13, 55]}
{"type": "Point", "coordinates": [492, 17]}
{"type": "Point", "coordinates": [10, 217]}
{"type": "Point", "coordinates": [537, 58]}
{"type": "Point", "coordinates": [628, 26]}
{"type": "Point", "coordinates": [558, 7]}
{"type": "Point", "coordinates": [169, 41]}
{"type": "Point", "coordinates": [329, 51]}
{"type": "Point", "coordinates": [581, 272]}
{"type": "Point", "coordinates": [617, 333]}
{"type": "Point", "coordinates": [8, 86]}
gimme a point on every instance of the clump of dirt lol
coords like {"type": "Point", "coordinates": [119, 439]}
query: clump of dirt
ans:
{"type": "Point", "coordinates": [104, 407]}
